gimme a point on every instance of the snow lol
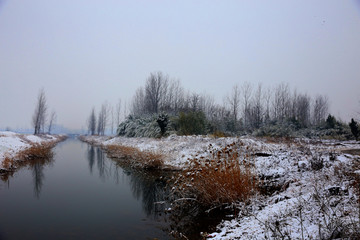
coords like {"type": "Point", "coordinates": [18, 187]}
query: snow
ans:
{"type": "Point", "coordinates": [296, 210]}
{"type": "Point", "coordinates": [11, 143]}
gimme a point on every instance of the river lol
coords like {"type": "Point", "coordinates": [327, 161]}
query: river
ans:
{"type": "Point", "coordinates": [81, 194]}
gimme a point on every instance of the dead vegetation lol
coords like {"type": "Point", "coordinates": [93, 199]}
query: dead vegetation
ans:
{"type": "Point", "coordinates": [35, 151]}
{"type": "Point", "coordinates": [224, 178]}
{"type": "Point", "coordinates": [136, 157]}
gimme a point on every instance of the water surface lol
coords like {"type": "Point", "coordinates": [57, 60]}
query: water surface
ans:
{"type": "Point", "coordinates": [81, 194]}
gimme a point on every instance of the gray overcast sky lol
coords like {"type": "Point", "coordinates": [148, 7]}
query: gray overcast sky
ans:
{"type": "Point", "coordinates": [83, 52]}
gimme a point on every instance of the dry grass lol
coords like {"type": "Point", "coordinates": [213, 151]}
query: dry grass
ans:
{"type": "Point", "coordinates": [224, 178]}
{"type": "Point", "coordinates": [136, 157]}
{"type": "Point", "coordinates": [35, 151]}
{"type": "Point", "coordinates": [7, 163]}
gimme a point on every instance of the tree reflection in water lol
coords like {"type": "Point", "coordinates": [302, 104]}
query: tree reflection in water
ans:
{"type": "Point", "coordinates": [37, 166]}
{"type": "Point", "coordinates": [149, 187]}
{"type": "Point", "coordinates": [91, 157]}
{"type": "Point", "coordinates": [152, 188]}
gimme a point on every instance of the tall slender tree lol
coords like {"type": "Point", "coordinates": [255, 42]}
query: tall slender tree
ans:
{"type": "Point", "coordinates": [51, 121]}
{"type": "Point", "coordinates": [39, 116]}
{"type": "Point", "coordinates": [92, 122]}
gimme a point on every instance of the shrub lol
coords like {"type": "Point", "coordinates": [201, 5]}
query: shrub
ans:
{"type": "Point", "coordinates": [192, 123]}
{"type": "Point", "coordinates": [354, 126]}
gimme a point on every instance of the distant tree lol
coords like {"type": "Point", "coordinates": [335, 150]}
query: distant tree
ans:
{"type": "Point", "coordinates": [155, 90]}
{"type": "Point", "coordinates": [257, 108]}
{"type": "Point", "coordinates": [138, 106]}
{"type": "Point", "coordinates": [282, 102]}
{"type": "Point", "coordinates": [267, 102]}
{"type": "Point", "coordinates": [103, 119]}
{"type": "Point", "coordinates": [39, 116]}
{"type": "Point", "coordinates": [51, 121]}
{"type": "Point", "coordinates": [330, 121]}
{"type": "Point", "coordinates": [246, 90]}
{"type": "Point", "coordinates": [233, 100]}
{"type": "Point", "coordinates": [301, 109]}
{"type": "Point", "coordinates": [92, 122]}
{"type": "Point", "coordinates": [118, 112]}
{"type": "Point", "coordinates": [320, 109]}
{"type": "Point", "coordinates": [354, 126]}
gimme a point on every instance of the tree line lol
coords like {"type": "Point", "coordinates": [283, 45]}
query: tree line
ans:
{"type": "Point", "coordinates": [107, 115]}
{"type": "Point", "coordinates": [246, 107]}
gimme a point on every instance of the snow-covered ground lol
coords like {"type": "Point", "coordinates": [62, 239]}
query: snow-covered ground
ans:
{"type": "Point", "coordinates": [307, 185]}
{"type": "Point", "coordinates": [11, 143]}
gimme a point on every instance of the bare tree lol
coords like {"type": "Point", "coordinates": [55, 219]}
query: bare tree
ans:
{"type": "Point", "coordinates": [39, 116]}
{"type": "Point", "coordinates": [267, 99]}
{"type": "Point", "coordinates": [178, 96]}
{"type": "Point", "coordinates": [257, 109]}
{"type": "Point", "coordinates": [103, 118]}
{"type": "Point", "coordinates": [155, 89]}
{"type": "Point", "coordinates": [92, 122]}
{"type": "Point", "coordinates": [118, 112]}
{"type": "Point", "coordinates": [246, 91]}
{"type": "Point", "coordinates": [281, 103]}
{"type": "Point", "coordinates": [234, 101]}
{"type": "Point", "coordinates": [111, 110]}
{"type": "Point", "coordinates": [138, 102]}
{"type": "Point", "coordinates": [302, 109]}
{"type": "Point", "coordinates": [320, 109]}
{"type": "Point", "coordinates": [51, 121]}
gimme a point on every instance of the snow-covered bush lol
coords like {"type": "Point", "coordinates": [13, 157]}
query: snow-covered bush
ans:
{"type": "Point", "coordinates": [276, 129]}
{"type": "Point", "coordinates": [144, 126]}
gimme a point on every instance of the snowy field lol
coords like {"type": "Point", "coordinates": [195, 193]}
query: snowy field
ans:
{"type": "Point", "coordinates": [11, 143]}
{"type": "Point", "coordinates": [307, 185]}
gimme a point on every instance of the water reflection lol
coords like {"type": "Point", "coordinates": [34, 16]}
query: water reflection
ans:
{"type": "Point", "coordinates": [91, 157]}
{"type": "Point", "coordinates": [37, 167]}
{"type": "Point", "coordinates": [148, 187]}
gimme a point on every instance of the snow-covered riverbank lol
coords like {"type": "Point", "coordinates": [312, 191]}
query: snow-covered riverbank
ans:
{"type": "Point", "coordinates": [308, 188]}
{"type": "Point", "coordinates": [11, 144]}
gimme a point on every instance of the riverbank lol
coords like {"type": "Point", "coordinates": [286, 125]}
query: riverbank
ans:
{"type": "Point", "coordinates": [16, 148]}
{"type": "Point", "coordinates": [307, 189]}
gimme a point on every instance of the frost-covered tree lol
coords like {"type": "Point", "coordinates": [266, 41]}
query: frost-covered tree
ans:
{"type": "Point", "coordinates": [39, 116]}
